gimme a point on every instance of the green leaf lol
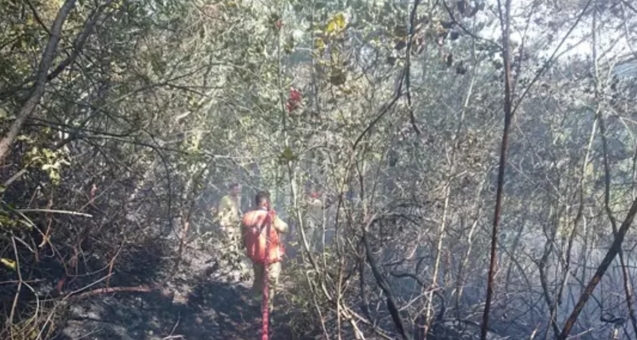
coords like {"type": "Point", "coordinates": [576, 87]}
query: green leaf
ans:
{"type": "Point", "coordinates": [288, 155]}
{"type": "Point", "coordinates": [336, 24]}
{"type": "Point", "coordinates": [319, 44]}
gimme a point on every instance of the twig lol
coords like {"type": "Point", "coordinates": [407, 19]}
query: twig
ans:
{"type": "Point", "coordinates": [37, 18]}
{"type": "Point", "coordinates": [471, 34]}
{"type": "Point", "coordinates": [412, 24]}
{"type": "Point", "coordinates": [54, 211]}
{"type": "Point", "coordinates": [99, 291]}
{"type": "Point", "coordinates": [172, 331]}
{"type": "Point", "coordinates": [17, 293]}
{"type": "Point", "coordinates": [111, 263]}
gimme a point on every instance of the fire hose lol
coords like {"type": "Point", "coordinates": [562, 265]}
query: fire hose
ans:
{"type": "Point", "coordinates": [265, 310]}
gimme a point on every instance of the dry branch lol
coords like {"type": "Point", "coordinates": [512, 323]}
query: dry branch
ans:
{"type": "Point", "coordinates": [110, 290]}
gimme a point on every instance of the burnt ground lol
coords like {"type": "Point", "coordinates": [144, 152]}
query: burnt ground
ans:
{"type": "Point", "coordinates": [205, 299]}
{"type": "Point", "coordinates": [206, 302]}
{"type": "Point", "coordinates": [213, 310]}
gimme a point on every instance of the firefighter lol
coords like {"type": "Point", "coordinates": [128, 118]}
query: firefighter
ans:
{"type": "Point", "coordinates": [254, 227]}
{"type": "Point", "coordinates": [314, 221]}
{"type": "Point", "coordinates": [229, 218]}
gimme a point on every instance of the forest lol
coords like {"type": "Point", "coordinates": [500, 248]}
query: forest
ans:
{"type": "Point", "coordinates": [475, 162]}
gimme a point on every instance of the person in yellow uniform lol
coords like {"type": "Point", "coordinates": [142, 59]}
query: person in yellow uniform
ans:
{"type": "Point", "coordinates": [229, 219]}
{"type": "Point", "coordinates": [314, 221]}
{"type": "Point", "coordinates": [229, 210]}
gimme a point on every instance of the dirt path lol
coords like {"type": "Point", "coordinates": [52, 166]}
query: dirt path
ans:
{"type": "Point", "coordinates": [204, 307]}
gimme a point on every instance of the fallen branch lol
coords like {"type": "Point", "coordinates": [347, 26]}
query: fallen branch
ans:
{"type": "Point", "coordinates": [109, 290]}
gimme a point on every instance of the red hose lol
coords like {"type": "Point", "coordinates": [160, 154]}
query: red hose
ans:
{"type": "Point", "coordinates": [264, 306]}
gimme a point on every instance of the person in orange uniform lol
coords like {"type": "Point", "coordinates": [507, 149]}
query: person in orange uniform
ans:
{"type": "Point", "coordinates": [254, 231]}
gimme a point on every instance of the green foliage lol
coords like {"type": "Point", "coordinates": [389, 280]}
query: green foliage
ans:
{"type": "Point", "coordinates": [48, 161]}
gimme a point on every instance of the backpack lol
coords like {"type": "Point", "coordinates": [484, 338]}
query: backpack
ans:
{"type": "Point", "coordinates": [254, 225]}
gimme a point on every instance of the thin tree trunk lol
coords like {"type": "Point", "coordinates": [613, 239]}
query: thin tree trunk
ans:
{"type": "Point", "coordinates": [548, 249]}
{"type": "Point", "coordinates": [434, 277]}
{"type": "Point", "coordinates": [505, 23]}
{"type": "Point", "coordinates": [465, 260]}
{"type": "Point", "coordinates": [40, 82]}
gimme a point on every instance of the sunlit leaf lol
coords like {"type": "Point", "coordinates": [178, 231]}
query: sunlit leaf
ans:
{"type": "Point", "coordinates": [319, 44]}
{"type": "Point", "coordinates": [336, 24]}
{"type": "Point", "coordinates": [9, 263]}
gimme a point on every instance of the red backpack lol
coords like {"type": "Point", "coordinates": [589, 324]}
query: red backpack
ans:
{"type": "Point", "coordinates": [254, 230]}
